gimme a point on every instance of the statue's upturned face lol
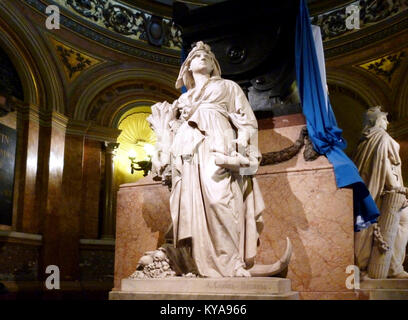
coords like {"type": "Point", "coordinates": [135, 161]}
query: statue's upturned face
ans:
{"type": "Point", "coordinates": [382, 122]}
{"type": "Point", "coordinates": [201, 63]}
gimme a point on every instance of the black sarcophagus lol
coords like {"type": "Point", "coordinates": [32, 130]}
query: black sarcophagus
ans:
{"type": "Point", "coordinates": [254, 44]}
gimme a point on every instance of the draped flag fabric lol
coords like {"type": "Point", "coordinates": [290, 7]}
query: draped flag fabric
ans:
{"type": "Point", "coordinates": [321, 122]}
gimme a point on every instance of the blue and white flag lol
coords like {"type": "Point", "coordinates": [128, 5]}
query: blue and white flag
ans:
{"type": "Point", "coordinates": [324, 133]}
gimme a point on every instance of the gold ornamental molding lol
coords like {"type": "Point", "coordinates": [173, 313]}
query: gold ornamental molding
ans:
{"type": "Point", "coordinates": [29, 112]}
{"type": "Point", "coordinates": [73, 60]}
{"type": "Point", "coordinates": [53, 119]}
{"type": "Point", "coordinates": [93, 131]}
{"type": "Point", "coordinates": [385, 67]}
{"type": "Point", "coordinates": [126, 21]}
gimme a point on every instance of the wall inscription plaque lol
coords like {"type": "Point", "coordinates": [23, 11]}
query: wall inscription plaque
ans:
{"type": "Point", "coordinates": [8, 139]}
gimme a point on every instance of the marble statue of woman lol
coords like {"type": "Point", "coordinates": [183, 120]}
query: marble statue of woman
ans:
{"type": "Point", "coordinates": [207, 145]}
{"type": "Point", "coordinates": [378, 161]}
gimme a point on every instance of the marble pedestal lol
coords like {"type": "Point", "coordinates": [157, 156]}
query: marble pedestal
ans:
{"type": "Point", "coordinates": [302, 203]}
{"type": "Point", "coordinates": [384, 289]}
{"type": "Point", "coordinates": [205, 289]}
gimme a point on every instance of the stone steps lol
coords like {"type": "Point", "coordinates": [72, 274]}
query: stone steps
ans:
{"type": "Point", "coordinates": [205, 289]}
{"type": "Point", "coordinates": [123, 295]}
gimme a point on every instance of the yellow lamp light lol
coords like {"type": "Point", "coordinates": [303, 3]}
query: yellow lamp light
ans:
{"type": "Point", "coordinates": [132, 154]}
{"type": "Point", "coordinates": [144, 165]}
{"type": "Point", "coordinates": [149, 149]}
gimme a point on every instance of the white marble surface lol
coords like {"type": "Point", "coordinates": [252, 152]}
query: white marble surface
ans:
{"type": "Point", "coordinates": [205, 289]}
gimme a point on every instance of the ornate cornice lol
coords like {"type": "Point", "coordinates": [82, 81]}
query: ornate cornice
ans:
{"type": "Point", "coordinates": [378, 20]}
{"type": "Point", "coordinates": [333, 22]}
{"type": "Point", "coordinates": [132, 28]}
{"type": "Point", "coordinates": [128, 46]}
{"type": "Point", "coordinates": [91, 130]}
{"type": "Point", "coordinates": [366, 37]}
{"type": "Point", "coordinates": [127, 21]}
{"type": "Point", "coordinates": [319, 7]}
{"type": "Point", "coordinates": [28, 112]}
{"type": "Point", "coordinates": [53, 119]}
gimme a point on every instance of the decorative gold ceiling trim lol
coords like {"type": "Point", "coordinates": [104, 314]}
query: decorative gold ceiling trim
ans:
{"type": "Point", "coordinates": [74, 61]}
{"type": "Point", "coordinates": [126, 21]}
{"type": "Point", "coordinates": [385, 67]}
{"type": "Point", "coordinates": [333, 22]}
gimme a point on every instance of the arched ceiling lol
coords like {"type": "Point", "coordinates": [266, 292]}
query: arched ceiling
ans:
{"type": "Point", "coordinates": [165, 6]}
{"type": "Point", "coordinates": [144, 28]}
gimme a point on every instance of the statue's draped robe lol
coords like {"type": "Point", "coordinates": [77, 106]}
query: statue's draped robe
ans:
{"type": "Point", "coordinates": [376, 154]}
{"type": "Point", "coordinates": [217, 209]}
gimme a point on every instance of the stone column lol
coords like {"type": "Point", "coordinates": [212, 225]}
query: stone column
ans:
{"type": "Point", "coordinates": [97, 218]}
{"type": "Point", "coordinates": [25, 216]}
{"type": "Point", "coordinates": [49, 193]}
{"type": "Point", "coordinates": [70, 214]}
{"type": "Point", "coordinates": [91, 204]}
{"type": "Point", "coordinates": [108, 219]}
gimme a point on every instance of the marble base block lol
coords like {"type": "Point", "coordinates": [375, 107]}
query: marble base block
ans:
{"type": "Point", "coordinates": [385, 289]}
{"type": "Point", "coordinates": [302, 203]}
{"type": "Point", "coordinates": [205, 288]}
{"type": "Point", "coordinates": [142, 219]}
